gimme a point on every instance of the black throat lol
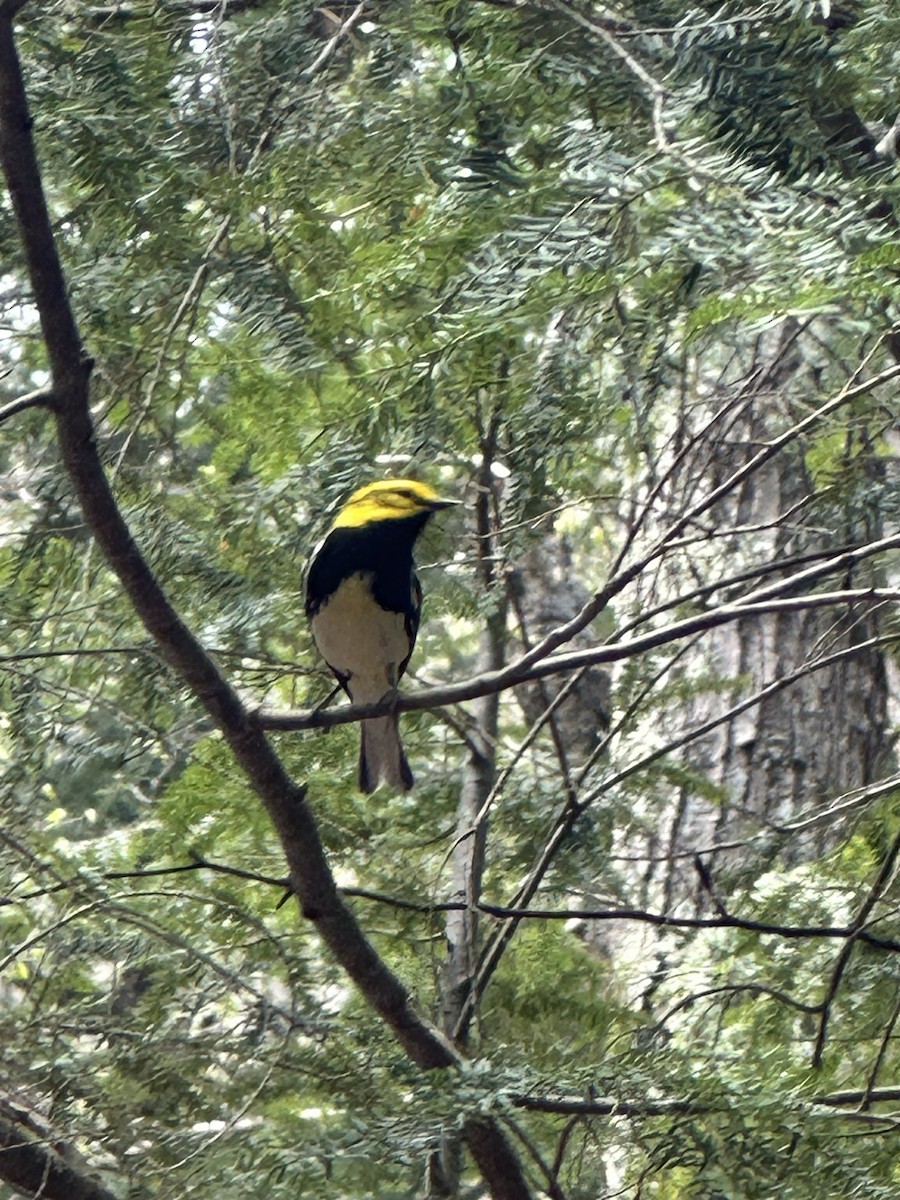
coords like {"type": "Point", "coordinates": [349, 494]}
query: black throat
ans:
{"type": "Point", "coordinates": [384, 548]}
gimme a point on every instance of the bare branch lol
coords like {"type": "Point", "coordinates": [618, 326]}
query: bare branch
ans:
{"type": "Point", "coordinates": [527, 668]}
{"type": "Point", "coordinates": [571, 812]}
{"type": "Point", "coordinates": [656, 92]}
{"type": "Point", "coordinates": [569, 1106]}
{"type": "Point", "coordinates": [733, 989]}
{"type": "Point", "coordinates": [283, 798]}
{"type": "Point", "coordinates": [33, 1167]}
{"type": "Point", "coordinates": [817, 565]}
{"type": "Point", "coordinates": [607, 1107]}
{"type": "Point", "coordinates": [620, 580]}
{"type": "Point", "coordinates": [553, 1188]}
{"type": "Point", "coordinates": [856, 933]}
{"type": "Point", "coordinates": [38, 399]}
{"type": "Point", "coordinates": [886, 1095]}
{"type": "Point", "coordinates": [849, 801]}
{"type": "Point", "coordinates": [886, 1038]}
{"type": "Point", "coordinates": [697, 731]}
{"type": "Point", "coordinates": [467, 853]}
{"type": "Point", "coordinates": [333, 42]}
{"type": "Point", "coordinates": [725, 920]}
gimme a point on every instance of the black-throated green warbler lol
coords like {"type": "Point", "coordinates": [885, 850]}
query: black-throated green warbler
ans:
{"type": "Point", "coordinates": [363, 601]}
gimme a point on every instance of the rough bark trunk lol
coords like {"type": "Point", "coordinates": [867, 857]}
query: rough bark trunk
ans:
{"type": "Point", "coordinates": [752, 793]}
{"type": "Point", "coordinates": [547, 594]}
{"type": "Point", "coordinates": [805, 743]}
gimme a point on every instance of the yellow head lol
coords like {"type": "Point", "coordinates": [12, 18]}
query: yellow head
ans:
{"type": "Point", "coordinates": [389, 499]}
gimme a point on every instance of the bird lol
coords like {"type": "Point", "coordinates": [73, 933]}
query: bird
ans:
{"type": "Point", "coordinates": [363, 602]}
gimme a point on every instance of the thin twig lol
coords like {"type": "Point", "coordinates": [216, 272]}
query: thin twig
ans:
{"type": "Point", "coordinates": [886, 1038]}
{"type": "Point", "coordinates": [608, 1107]}
{"type": "Point", "coordinates": [855, 933]}
{"type": "Point", "coordinates": [333, 42]}
{"type": "Point", "coordinates": [726, 920]}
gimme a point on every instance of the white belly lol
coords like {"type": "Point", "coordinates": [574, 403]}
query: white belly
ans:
{"type": "Point", "coordinates": [360, 640]}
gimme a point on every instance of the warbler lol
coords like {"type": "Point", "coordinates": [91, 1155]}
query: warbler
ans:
{"type": "Point", "coordinates": [363, 601]}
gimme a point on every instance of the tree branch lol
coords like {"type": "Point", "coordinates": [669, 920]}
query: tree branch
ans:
{"type": "Point", "coordinates": [38, 399]}
{"type": "Point", "coordinates": [726, 920]}
{"type": "Point", "coordinates": [856, 933]}
{"type": "Point", "coordinates": [283, 798]}
{"type": "Point", "coordinates": [885, 1095]}
{"type": "Point", "coordinates": [343, 31]}
{"type": "Point", "coordinates": [887, 1037]}
{"type": "Point", "coordinates": [69, 365]}
{"type": "Point", "coordinates": [522, 671]}
{"type": "Point", "coordinates": [610, 1107]}
{"type": "Point", "coordinates": [468, 850]}
{"type": "Point", "coordinates": [569, 1106]}
{"type": "Point", "coordinates": [621, 578]}
{"type": "Point", "coordinates": [34, 1168]}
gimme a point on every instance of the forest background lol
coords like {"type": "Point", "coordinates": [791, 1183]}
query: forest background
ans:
{"type": "Point", "coordinates": [624, 281]}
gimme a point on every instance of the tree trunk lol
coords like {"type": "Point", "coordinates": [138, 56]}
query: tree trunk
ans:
{"type": "Point", "coordinates": [818, 733]}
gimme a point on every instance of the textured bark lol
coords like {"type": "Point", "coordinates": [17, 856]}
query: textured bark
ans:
{"type": "Point", "coordinates": [34, 1167]}
{"type": "Point", "coordinates": [549, 594]}
{"type": "Point", "coordinates": [804, 744]}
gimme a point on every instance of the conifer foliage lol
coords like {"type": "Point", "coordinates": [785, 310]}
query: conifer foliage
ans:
{"type": "Point", "coordinates": [624, 281]}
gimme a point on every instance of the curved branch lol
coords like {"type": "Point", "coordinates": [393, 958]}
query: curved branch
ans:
{"type": "Point", "coordinates": [283, 798]}
{"type": "Point", "coordinates": [619, 581]}
{"type": "Point", "coordinates": [856, 933]}
{"type": "Point", "coordinates": [38, 399]}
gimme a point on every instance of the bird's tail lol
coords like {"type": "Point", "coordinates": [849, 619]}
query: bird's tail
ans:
{"type": "Point", "coordinates": [381, 757]}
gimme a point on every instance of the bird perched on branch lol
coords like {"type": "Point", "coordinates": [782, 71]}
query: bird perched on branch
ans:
{"type": "Point", "coordinates": [363, 601]}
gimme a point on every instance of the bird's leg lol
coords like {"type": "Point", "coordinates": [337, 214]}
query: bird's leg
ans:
{"type": "Point", "coordinates": [328, 699]}
{"type": "Point", "coordinates": [393, 692]}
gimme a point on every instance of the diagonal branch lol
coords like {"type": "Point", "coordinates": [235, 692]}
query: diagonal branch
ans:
{"type": "Point", "coordinates": [38, 399]}
{"type": "Point", "coordinates": [283, 798]}
{"type": "Point", "coordinates": [341, 33]}
{"type": "Point", "coordinates": [615, 585]}
{"type": "Point", "coordinates": [570, 813]}
{"type": "Point", "coordinates": [857, 930]}
{"type": "Point", "coordinates": [556, 664]}
{"type": "Point", "coordinates": [34, 1168]}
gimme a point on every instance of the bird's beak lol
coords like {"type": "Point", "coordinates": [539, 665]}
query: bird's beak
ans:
{"type": "Point", "coordinates": [437, 505]}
